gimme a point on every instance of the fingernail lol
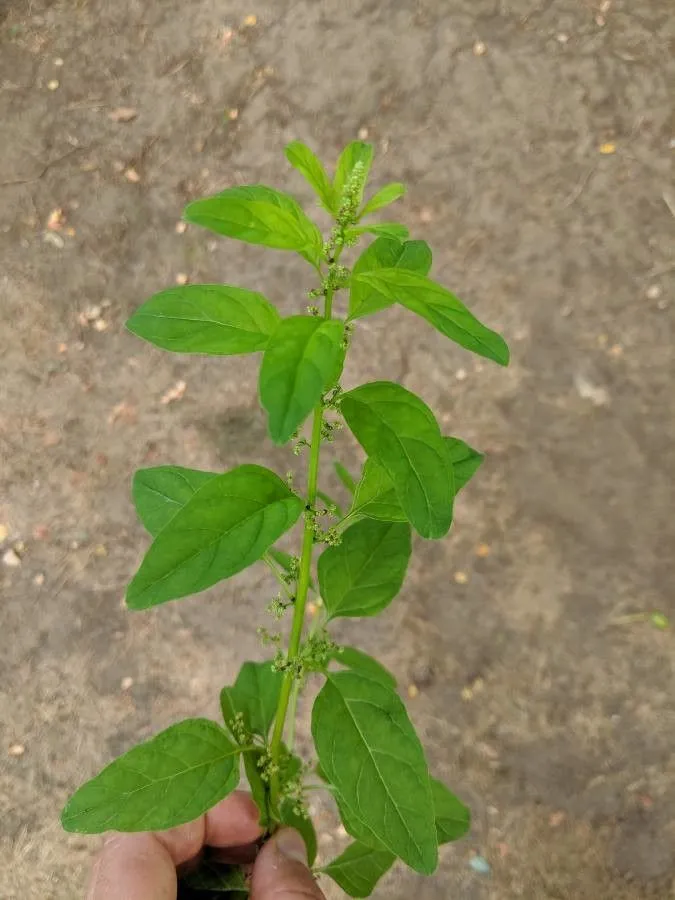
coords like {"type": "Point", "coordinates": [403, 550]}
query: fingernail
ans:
{"type": "Point", "coordinates": [291, 845]}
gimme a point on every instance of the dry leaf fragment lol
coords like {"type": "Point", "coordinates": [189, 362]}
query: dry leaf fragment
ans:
{"type": "Point", "coordinates": [123, 114]}
{"type": "Point", "coordinates": [16, 750]}
{"type": "Point", "coordinates": [174, 393]}
{"type": "Point", "coordinates": [53, 85]}
{"type": "Point", "coordinates": [479, 48]}
{"type": "Point", "coordinates": [607, 148]}
{"type": "Point", "coordinates": [250, 21]}
{"type": "Point", "coordinates": [132, 175]}
{"type": "Point", "coordinates": [4, 531]}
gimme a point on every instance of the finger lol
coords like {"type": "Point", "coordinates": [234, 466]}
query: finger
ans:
{"type": "Point", "coordinates": [143, 866]}
{"type": "Point", "coordinates": [133, 867]}
{"type": "Point", "coordinates": [280, 871]}
{"type": "Point", "coordinates": [232, 823]}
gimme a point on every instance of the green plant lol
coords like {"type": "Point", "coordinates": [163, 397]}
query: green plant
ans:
{"type": "Point", "coordinates": [207, 526]}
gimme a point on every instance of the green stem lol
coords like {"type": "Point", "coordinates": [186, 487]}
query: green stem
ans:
{"type": "Point", "coordinates": [304, 578]}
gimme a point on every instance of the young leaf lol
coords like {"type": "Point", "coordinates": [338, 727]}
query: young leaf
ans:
{"type": "Point", "coordinates": [227, 525]}
{"type": "Point", "coordinates": [259, 215]}
{"type": "Point", "coordinates": [386, 195]}
{"type": "Point", "coordinates": [344, 476]}
{"type": "Point", "coordinates": [390, 229]}
{"type": "Point", "coordinates": [224, 879]}
{"type": "Point", "coordinates": [166, 781]}
{"type": "Point", "coordinates": [453, 819]}
{"type": "Point", "coordinates": [302, 823]}
{"type": "Point", "coordinates": [260, 790]}
{"type": "Point", "coordinates": [369, 751]}
{"type": "Point", "coordinates": [255, 695]}
{"type": "Point", "coordinates": [465, 461]}
{"type": "Point", "coordinates": [303, 359]}
{"type": "Point", "coordinates": [375, 496]}
{"type": "Point", "coordinates": [161, 491]}
{"type": "Point", "coordinates": [384, 253]}
{"type": "Point", "coordinates": [400, 431]}
{"type": "Point", "coordinates": [358, 661]}
{"type": "Point", "coordinates": [439, 307]}
{"type": "Point", "coordinates": [216, 319]}
{"type": "Point", "coordinates": [304, 160]}
{"type": "Point", "coordinates": [354, 153]}
{"type": "Point", "coordinates": [362, 575]}
{"type": "Point", "coordinates": [358, 869]}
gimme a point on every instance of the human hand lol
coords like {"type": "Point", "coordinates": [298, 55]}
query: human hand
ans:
{"type": "Point", "coordinates": [143, 866]}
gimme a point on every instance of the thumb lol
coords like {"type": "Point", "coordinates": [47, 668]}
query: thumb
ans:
{"type": "Point", "coordinates": [281, 872]}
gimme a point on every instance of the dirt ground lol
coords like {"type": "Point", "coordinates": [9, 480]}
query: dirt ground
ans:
{"type": "Point", "coordinates": [537, 139]}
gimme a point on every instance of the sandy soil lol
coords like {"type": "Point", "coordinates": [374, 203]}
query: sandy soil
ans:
{"type": "Point", "coordinates": [537, 142]}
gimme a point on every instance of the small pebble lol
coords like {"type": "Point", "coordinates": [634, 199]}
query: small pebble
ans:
{"type": "Point", "coordinates": [11, 559]}
{"type": "Point", "coordinates": [100, 551]}
{"type": "Point", "coordinates": [126, 683]}
{"type": "Point", "coordinates": [250, 21]}
{"type": "Point", "coordinates": [615, 350]}
{"type": "Point", "coordinates": [4, 531]}
{"type": "Point", "coordinates": [562, 38]}
{"type": "Point", "coordinates": [363, 134]}
{"type": "Point", "coordinates": [479, 49]}
{"type": "Point", "coordinates": [53, 85]}
{"type": "Point", "coordinates": [461, 578]}
{"type": "Point", "coordinates": [460, 374]}
{"type": "Point", "coordinates": [480, 865]}
{"type": "Point", "coordinates": [100, 325]}
{"type": "Point", "coordinates": [181, 227]}
{"type": "Point", "coordinates": [483, 550]}
{"type": "Point", "coordinates": [16, 750]}
{"type": "Point", "coordinates": [39, 579]}
{"type": "Point", "coordinates": [132, 176]}
{"type": "Point", "coordinates": [181, 278]}
{"type": "Point", "coordinates": [233, 115]}
{"type": "Point", "coordinates": [607, 148]}
{"type": "Point", "coordinates": [654, 291]}
{"type": "Point", "coordinates": [413, 691]}
{"type": "Point", "coordinates": [58, 62]}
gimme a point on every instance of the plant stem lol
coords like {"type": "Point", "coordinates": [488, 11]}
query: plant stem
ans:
{"type": "Point", "coordinates": [304, 579]}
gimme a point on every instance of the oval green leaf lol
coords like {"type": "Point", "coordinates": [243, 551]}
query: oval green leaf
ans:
{"type": "Point", "coordinates": [303, 824]}
{"type": "Point", "coordinates": [384, 253]}
{"type": "Point", "coordinates": [173, 778]}
{"type": "Point", "coordinates": [465, 461]}
{"type": "Point", "coordinates": [453, 819]}
{"type": "Point", "coordinates": [161, 491]}
{"type": "Point", "coordinates": [368, 749]}
{"type": "Point", "coordinates": [441, 309]}
{"type": "Point", "coordinates": [386, 195]}
{"type": "Point", "coordinates": [358, 661]}
{"type": "Point", "coordinates": [227, 525]}
{"type": "Point", "coordinates": [254, 695]}
{"type": "Point", "coordinates": [303, 359]}
{"type": "Point", "coordinates": [306, 162]}
{"type": "Point", "coordinates": [259, 215]}
{"type": "Point", "coordinates": [364, 572]}
{"type": "Point", "coordinates": [375, 496]}
{"type": "Point", "coordinates": [215, 319]}
{"type": "Point", "coordinates": [389, 229]}
{"type": "Point", "coordinates": [400, 431]}
{"type": "Point", "coordinates": [358, 869]}
{"type": "Point", "coordinates": [345, 477]}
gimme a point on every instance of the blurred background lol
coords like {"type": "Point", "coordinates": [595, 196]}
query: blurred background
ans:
{"type": "Point", "coordinates": [534, 646]}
